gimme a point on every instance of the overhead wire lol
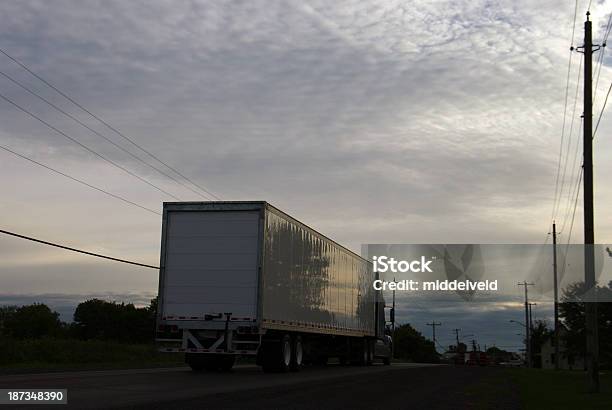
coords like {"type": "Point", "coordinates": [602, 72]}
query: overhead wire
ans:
{"type": "Point", "coordinates": [106, 124]}
{"type": "Point", "coordinates": [560, 179]}
{"type": "Point", "coordinates": [602, 111]}
{"type": "Point", "coordinates": [77, 180]}
{"type": "Point", "coordinates": [600, 57]}
{"type": "Point", "coordinates": [99, 134]}
{"type": "Point", "coordinates": [569, 66]}
{"type": "Point", "coordinates": [68, 248]}
{"type": "Point", "coordinates": [575, 165]}
{"type": "Point", "coordinates": [569, 140]}
{"type": "Point", "coordinates": [569, 236]}
{"type": "Point", "coordinates": [92, 151]}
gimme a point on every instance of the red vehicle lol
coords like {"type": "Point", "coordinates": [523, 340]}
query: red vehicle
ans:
{"type": "Point", "coordinates": [477, 359]}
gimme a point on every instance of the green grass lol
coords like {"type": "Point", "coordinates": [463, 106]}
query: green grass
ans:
{"type": "Point", "coordinates": [537, 389]}
{"type": "Point", "coordinates": [549, 389]}
{"type": "Point", "coordinates": [51, 354]}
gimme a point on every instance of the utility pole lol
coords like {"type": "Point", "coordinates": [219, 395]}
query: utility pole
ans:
{"type": "Point", "coordinates": [527, 324]}
{"type": "Point", "coordinates": [393, 313]}
{"type": "Point", "coordinates": [457, 337]}
{"type": "Point", "coordinates": [556, 286]}
{"type": "Point", "coordinates": [592, 342]}
{"type": "Point", "coordinates": [589, 232]}
{"type": "Point", "coordinates": [433, 325]}
{"type": "Point", "coordinates": [393, 324]}
{"type": "Point", "coordinates": [531, 330]}
{"type": "Point", "coordinates": [531, 316]}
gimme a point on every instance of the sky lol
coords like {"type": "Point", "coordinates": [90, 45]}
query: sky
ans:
{"type": "Point", "coordinates": [373, 121]}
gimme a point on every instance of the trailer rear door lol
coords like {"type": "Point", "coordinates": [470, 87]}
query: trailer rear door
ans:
{"type": "Point", "coordinates": [211, 263]}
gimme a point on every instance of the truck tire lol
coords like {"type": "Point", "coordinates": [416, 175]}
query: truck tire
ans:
{"type": "Point", "coordinates": [297, 354]}
{"type": "Point", "coordinates": [365, 356]}
{"type": "Point", "coordinates": [277, 355]}
{"type": "Point", "coordinates": [370, 348]}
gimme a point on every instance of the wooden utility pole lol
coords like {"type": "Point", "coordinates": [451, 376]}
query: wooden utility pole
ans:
{"type": "Point", "coordinates": [392, 314]}
{"type": "Point", "coordinates": [556, 286]}
{"type": "Point", "coordinates": [531, 316]}
{"type": "Point", "coordinates": [527, 324]}
{"type": "Point", "coordinates": [433, 325]}
{"type": "Point", "coordinates": [457, 337]}
{"type": "Point", "coordinates": [592, 347]}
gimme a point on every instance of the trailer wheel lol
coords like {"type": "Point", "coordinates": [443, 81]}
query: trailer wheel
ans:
{"type": "Point", "coordinates": [366, 354]}
{"type": "Point", "coordinates": [297, 354]}
{"type": "Point", "coordinates": [277, 355]}
{"type": "Point", "coordinates": [370, 348]}
{"type": "Point", "coordinates": [285, 350]}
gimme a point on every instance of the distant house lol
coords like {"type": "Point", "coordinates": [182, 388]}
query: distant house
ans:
{"type": "Point", "coordinates": [566, 361]}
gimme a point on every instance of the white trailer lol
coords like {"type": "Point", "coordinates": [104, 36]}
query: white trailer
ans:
{"type": "Point", "coordinates": [244, 278]}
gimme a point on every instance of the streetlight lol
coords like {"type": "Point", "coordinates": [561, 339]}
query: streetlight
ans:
{"type": "Point", "coordinates": [516, 321]}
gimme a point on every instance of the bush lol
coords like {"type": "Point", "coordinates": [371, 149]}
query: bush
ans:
{"type": "Point", "coordinates": [31, 321]}
{"type": "Point", "coordinates": [99, 319]}
{"type": "Point", "coordinates": [410, 345]}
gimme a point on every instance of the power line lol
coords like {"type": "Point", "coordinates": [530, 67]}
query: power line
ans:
{"type": "Point", "coordinates": [99, 134]}
{"type": "Point", "coordinates": [569, 67]}
{"type": "Point", "coordinates": [570, 193]}
{"type": "Point", "coordinates": [559, 188]}
{"type": "Point", "coordinates": [78, 180]}
{"type": "Point", "coordinates": [573, 200]}
{"type": "Point", "coordinates": [574, 25]}
{"type": "Point", "coordinates": [569, 236]}
{"type": "Point", "coordinates": [602, 110]}
{"type": "Point", "coordinates": [558, 195]}
{"type": "Point", "coordinates": [105, 123]}
{"type": "Point", "coordinates": [602, 53]}
{"type": "Point", "coordinates": [569, 140]}
{"type": "Point", "coordinates": [85, 146]}
{"type": "Point", "coordinates": [97, 255]}
{"type": "Point", "coordinates": [600, 58]}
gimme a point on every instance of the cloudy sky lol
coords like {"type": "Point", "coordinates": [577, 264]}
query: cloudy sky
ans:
{"type": "Point", "coordinates": [372, 121]}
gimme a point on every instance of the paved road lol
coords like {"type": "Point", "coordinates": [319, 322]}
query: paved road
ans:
{"type": "Point", "coordinates": [389, 387]}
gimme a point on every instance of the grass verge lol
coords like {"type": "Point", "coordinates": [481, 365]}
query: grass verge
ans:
{"type": "Point", "coordinates": [549, 389]}
{"type": "Point", "coordinates": [51, 354]}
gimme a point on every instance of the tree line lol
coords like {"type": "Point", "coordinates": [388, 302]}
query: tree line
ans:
{"type": "Point", "coordinates": [93, 319]}
{"type": "Point", "coordinates": [573, 320]}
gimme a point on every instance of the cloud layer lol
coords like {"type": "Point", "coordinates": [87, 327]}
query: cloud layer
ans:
{"type": "Point", "coordinates": [374, 122]}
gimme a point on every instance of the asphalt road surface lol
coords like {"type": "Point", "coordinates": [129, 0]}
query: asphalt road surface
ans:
{"type": "Point", "coordinates": [332, 387]}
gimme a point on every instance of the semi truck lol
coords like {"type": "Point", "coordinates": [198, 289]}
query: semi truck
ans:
{"type": "Point", "coordinates": [246, 279]}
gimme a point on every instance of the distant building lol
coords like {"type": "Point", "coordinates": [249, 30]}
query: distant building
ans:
{"type": "Point", "coordinates": [568, 362]}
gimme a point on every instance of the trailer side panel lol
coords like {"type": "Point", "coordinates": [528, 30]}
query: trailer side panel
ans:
{"type": "Point", "coordinates": [312, 284]}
